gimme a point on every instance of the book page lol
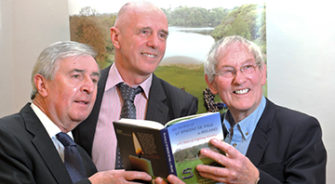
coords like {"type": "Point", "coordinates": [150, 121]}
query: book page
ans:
{"type": "Point", "coordinates": [178, 120]}
{"type": "Point", "coordinates": [142, 123]}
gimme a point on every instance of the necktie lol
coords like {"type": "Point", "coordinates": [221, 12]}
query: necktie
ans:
{"type": "Point", "coordinates": [128, 111]}
{"type": "Point", "coordinates": [128, 95]}
{"type": "Point", "coordinates": [72, 158]}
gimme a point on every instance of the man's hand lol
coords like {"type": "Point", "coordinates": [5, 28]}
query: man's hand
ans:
{"type": "Point", "coordinates": [171, 178]}
{"type": "Point", "coordinates": [118, 177]}
{"type": "Point", "coordinates": [237, 168]}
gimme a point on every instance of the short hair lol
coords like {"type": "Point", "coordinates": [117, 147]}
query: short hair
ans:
{"type": "Point", "coordinates": [224, 43]}
{"type": "Point", "coordinates": [46, 63]}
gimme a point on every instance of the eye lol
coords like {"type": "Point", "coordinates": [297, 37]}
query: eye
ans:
{"type": "Point", "coordinates": [76, 76]}
{"type": "Point", "coordinates": [226, 72]}
{"type": "Point", "coordinates": [163, 35]}
{"type": "Point", "coordinates": [248, 68]}
{"type": "Point", "coordinates": [95, 80]}
{"type": "Point", "coordinates": [145, 31]}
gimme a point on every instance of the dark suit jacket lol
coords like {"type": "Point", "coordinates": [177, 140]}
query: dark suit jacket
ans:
{"type": "Point", "coordinates": [287, 147]}
{"type": "Point", "coordinates": [28, 155]}
{"type": "Point", "coordinates": [165, 103]}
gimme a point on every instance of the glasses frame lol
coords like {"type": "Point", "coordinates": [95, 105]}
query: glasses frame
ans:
{"type": "Point", "coordinates": [230, 72]}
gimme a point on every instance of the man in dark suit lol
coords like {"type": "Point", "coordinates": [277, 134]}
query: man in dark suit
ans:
{"type": "Point", "coordinates": [64, 82]}
{"type": "Point", "coordinates": [264, 142]}
{"type": "Point", "coordinates": [139, 38]}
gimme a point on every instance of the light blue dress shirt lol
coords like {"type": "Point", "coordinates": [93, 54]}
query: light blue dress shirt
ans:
{"type": "Point", "coordinates": [241, 133]}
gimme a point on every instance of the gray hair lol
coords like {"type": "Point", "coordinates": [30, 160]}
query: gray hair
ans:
{"type": "Point", "coordinates": [46, 63]}
{"type": "Point", "coordinates": [224, 43]}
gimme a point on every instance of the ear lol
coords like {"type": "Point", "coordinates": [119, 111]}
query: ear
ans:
{"type": "Point", "coordinates": [211, 85]}
{"type": "Point", "coordinates": [264, 74]}
{"type": "Point", "coordinates": [40, 84]}
{"type": "Point", "coordinates": [115, 33]}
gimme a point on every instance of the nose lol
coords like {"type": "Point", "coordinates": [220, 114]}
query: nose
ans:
{"type": "Point", "coordinates": [153, 41]}
{"type": "Point", "coordinates": [88, 85]}
{"type": "Point", "coordinates": [239, 77]}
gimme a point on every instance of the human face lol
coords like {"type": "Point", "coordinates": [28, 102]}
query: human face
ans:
{"type": "Point", "coordinates": [241, 92]}
{"type": "Point", "coordinates": [140, 41]}
{"type": "Point", "coordinates": [71, 94]}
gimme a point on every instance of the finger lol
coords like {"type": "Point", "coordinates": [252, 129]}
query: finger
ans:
{"type": "Point", "coordinates": [137, 175]}
{"type": "Point", "coordinates": [159, 180]}
{"type": "Point", "coordinates": [174, 179]}
{"type": "Point", "coordinates": [212, 170]}
{"type": "Point", "coordinates": [229, 150]}
{"type": "Point", "coordinates": [218, 174]}
{"type": "Point", "coordinates": [213, 177]}
{"type": "Point", "coordinates": [217, 157]}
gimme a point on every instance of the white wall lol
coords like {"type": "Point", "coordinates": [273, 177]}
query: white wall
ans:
{"type": "Point", "coordinates": [301, 63]}
{"type": "Point", "coordinates": [26, 27]}
{"type": "Point", "coordinates": [6, 78]}
{"type": "Point", "coordinates": [301, 55]}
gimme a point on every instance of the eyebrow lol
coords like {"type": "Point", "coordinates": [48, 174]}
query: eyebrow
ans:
{"type": "Point", "coordinates": [248, 61]}
{"type": "Point", "coordinates": [164, 31]}
{"type": "Point", "coordinates": [161, 30]}
{"type": "Point", "coordinates": [77, 70]}
{"type": "Point", "coordinates": [96, 74]}
{"type": "Point", "coordinates": [82, 71]}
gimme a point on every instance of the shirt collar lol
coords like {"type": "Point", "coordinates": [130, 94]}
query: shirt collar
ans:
{"type": "Point", "coordinates": [49, 125]}
{"type": "Point", "coordinates": [247, 126]}
{"type": "Point", "coordinates": [115, 78]}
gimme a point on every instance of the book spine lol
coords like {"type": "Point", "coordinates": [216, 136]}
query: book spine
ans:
{"type": "Point", "coordinates": [168, 151]}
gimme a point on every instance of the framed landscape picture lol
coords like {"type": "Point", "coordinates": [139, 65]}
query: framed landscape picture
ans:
{"type": "Point", "coordinates": [194, 26]}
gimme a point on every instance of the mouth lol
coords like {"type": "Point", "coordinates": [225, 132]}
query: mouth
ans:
{"type": "Point", "coordinates": [149, 54]}
{"type": "Point", "coordinates": [241, 91]}
{"type": "Point", "coordinates": [82, 102]}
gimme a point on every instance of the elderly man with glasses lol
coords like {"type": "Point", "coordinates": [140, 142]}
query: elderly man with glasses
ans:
{"type": "Point", "coordinates": [264, 142]}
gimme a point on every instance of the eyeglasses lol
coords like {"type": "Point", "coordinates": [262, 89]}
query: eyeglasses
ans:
{"type": "Point", "coordinates": [229, 71]}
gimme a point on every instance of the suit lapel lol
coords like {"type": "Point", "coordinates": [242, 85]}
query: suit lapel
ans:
{"type": "Point", "coordinates": [259, 139]}
{"type": "Point", "coordinates": [45, 146]}
{"type": "Point", "coordinates": [100, 93]}
{"type": "Point", "coordinates": [93, 117]}
{"type": "Point", "coordinates": [157, 108]}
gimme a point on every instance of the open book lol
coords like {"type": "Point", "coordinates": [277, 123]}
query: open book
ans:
{"type": "Point", "coordinates": [171, 149]}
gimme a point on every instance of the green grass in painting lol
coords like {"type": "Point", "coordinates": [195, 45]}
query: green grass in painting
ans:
{"type": "Point", "coordinates": [190, 78]}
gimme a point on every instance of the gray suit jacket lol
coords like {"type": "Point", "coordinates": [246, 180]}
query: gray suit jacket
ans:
{"type": "Point", "coordinates": [165, 103]}
{"type": "Point", "coordinates": [28, 155]}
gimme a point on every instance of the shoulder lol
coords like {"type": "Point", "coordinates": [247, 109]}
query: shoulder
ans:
{"type": "Point", "coordinates": [172, 90]}
{"type": "Point", "coordinates": [290, 119]}
{"type": "Point", "coordinates": [178, 100]}
{"type": "Point", "coordinates": [12, 132]}
{"type": "Point", "coordinates": [11, 121]}
{"type": "Point", "coordinates": [289, 114]}
{"type": "Point", "coordinates": [17, 125]}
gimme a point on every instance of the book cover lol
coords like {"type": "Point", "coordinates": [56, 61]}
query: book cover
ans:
{"type": "Point", "coordinates": [171, 149]}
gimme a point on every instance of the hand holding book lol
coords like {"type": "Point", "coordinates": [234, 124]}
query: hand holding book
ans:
{"type": "Point", "coordinates": [171, 149]}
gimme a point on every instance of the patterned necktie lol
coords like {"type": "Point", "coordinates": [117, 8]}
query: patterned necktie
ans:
{"type": "Point", "coordinates": [128, 111]}
{"type": "Point", "coordinates": [72, 158]}
{"type": "Point", "coordinates": [128, 95]}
